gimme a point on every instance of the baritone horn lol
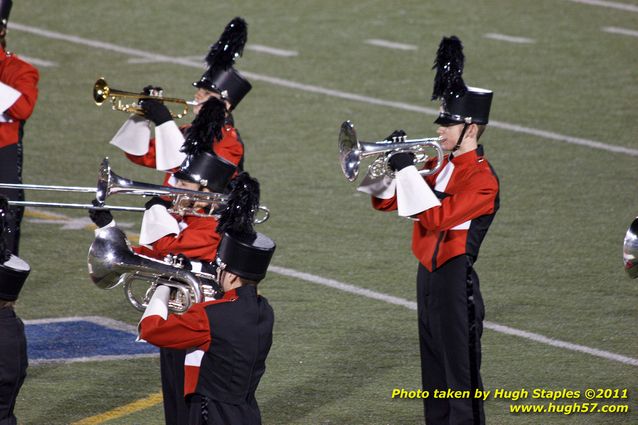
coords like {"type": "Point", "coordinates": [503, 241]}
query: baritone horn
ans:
{"type": "Point", "coordinates": [352, 151]}
{"type": "Point", "coordinates": [112, 263]}
{"type": "Point", "coordinates": [102, 92]}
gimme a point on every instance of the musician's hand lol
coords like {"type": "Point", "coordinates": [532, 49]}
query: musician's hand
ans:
{"type": "Point", "coordinates": [396, 134]}
{"type": "Point", "coordinates": [210, 268]}
{"type": "Point", "coordinates": [400, 160]}
{"type": "Point", "coordinates": [184, 261]}
{"type": "Point", "coordinates": [101, 218]}
{"type": "Point", "coordinates": [151, 90]}
{"type": "Point", "coordinates": [156, 200]}
{"type": "Point", "coordinates": [155, 111]}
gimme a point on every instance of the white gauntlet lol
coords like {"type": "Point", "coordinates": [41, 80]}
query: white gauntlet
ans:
{"type": "Point", "coordinates": [413, 193]}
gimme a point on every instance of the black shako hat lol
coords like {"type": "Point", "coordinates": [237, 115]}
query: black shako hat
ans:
{"type": "Point", "coordinates": [220, 76]}
{"type": "Point", "coordinates": [201, 164]}
{"type": "Point", "coordinates": [242, 251]}
{"type": "Point", "coordinates": [5, 10]}
{"type": "Point", "coordinates": [459, 103]}
{"type": "Point", "coordinates": [207, 169]}
{"type": "Point", "coordinates": [13, 270]}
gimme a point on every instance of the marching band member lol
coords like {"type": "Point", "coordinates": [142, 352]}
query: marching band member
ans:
{"type": "Point", "coordinates": [13, 344]}
{"type": "Point", "coordinates": [165, 233]}
{"type": "Point", "coordinates": [202, 170]}
{"type": "Point", "coordinates": [221, 81]}
{"type": "Point", "coordinates": [227, 339]}
{"type": "Point", "coordinates": [196, 238]}
{"type": "Point", "coordinates": [446, 240]}
{"type": "Point", "coordinates": [18, 95]}
{"type": "Point", "coordinates": [192, 238]}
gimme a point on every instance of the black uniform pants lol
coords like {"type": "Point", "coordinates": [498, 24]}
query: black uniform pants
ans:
{"type": "Point", "coordinates": [451, 311]}
{"type": "Point", "coordinates": [13, 363]}
{"type": "Point", "coordinates": [172, 371]}
{"type": "Point", "coordinates": [11, 172]}
{"type": "Point", "coordinates": [207, 411]}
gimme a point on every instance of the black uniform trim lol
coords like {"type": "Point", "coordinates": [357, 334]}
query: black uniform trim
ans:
{"type": "Point", "coordinates": [471, 320]}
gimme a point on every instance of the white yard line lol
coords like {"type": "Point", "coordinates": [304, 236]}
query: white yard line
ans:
{"type": "Point", "coordinates": [154, 60]}
{"type": "Point", "coordinates": [508, 38]}
{"type": "Point", "coordinates": [119, 357]}
{"type": "Point", "coordinates": [272, 50]}
{"type": "Point", "coordinates": [489, 325]}
{"type": "Point", "coordinates": [391, 44]}
{"type": "Point", "coordinates": [321, 90]}
{"type": "Point", "coordinates": [38, 62]}
{"type": "Point", "coordinates": [200, 59]}
{"type": "Point", "coordinates": [98, 320]}
{"type": "Point", "coordinates": [610, 4]}
{"type": "Point", "coordinates": [622, 31]}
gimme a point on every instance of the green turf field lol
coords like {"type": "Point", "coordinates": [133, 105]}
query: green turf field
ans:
{"type": "Point", "coordinates": [551, 264]}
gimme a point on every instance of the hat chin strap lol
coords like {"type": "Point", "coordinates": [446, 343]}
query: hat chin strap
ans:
{"type": "Point", "coordinates": [458, 143]}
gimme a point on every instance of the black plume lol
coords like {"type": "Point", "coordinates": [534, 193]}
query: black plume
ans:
{"type": "Point", "coordinates": [229, 46]}
{"type": "Point", "coordinates": [448, 81]}
{"type": "Point", "coordinates": [206, 127]}
{"type": "Point", "coordinates": [243, 202]}
{"type": "Point", "coordinates": [5, 254]}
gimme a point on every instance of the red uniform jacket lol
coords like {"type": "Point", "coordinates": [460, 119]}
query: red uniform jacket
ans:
{"type": "Point", "coordinates": [230, 147]}
{"type": "Point", "coordinates": [198, 241]}
{"type": "Point", "coordinates": [23, 77]}
{"type": "Point", "coordinates": [468, 189]}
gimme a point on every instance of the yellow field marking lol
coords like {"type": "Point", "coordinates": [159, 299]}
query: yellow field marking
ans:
{"type": "Point", "coordinates": [30, 212]}
{"type": "Point", "coordinates": [127, 409]}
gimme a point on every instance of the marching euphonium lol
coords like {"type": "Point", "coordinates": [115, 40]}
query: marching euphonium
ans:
{"type": "Point", "coordinates": [352, 151]}
{"type": "Point", "coordinates": [112, 263]}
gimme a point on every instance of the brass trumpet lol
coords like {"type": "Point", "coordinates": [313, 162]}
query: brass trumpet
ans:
{"type": "Point", "coordinates": [110, 183]}
{"type": "Point", "coordinates": [102, 92]}
{"type": "Point", "coordinates": [352, 151]}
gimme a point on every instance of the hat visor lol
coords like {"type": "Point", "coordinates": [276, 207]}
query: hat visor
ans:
{"type": "Point", "coordinates": [181, 175]}
{"type": "Point", "coordinates": [445, 119]}
{"type": "Point", "coordinates": [206, 85]}
{"type": "Point", "coordinates": [203, 84]}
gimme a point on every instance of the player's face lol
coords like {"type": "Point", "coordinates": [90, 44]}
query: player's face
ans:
{"type": "Point", "coordinates": [226, 279]}
{"type": "Point", "coordinates": [450, 135]}
{"type": "Point", "coordinates": [201, 96]}
{"type": "Point", "coordinates": [188, 185]}
{"type": "Point", "coordinates": [185, 184]}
